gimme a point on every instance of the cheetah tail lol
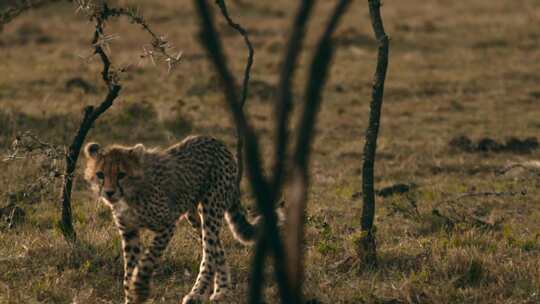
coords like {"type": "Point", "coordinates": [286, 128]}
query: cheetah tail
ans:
{"type": "Point", "coordinates": [244, 230]}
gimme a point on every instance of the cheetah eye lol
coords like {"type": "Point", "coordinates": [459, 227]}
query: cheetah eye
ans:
{"type": "Point", "coordinates": [100, 175]}
{"type": "Point", "coordinates": [121, 175]}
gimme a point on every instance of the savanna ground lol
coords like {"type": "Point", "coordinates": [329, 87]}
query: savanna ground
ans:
{"type": "Point", "coordinates": [456, 68]}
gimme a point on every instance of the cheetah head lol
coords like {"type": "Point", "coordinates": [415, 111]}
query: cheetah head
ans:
{"type": "Point", "coordinates": [113, 171]}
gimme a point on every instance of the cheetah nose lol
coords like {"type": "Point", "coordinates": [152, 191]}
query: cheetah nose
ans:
{"type": "Point", "coordinates": [109, 193]}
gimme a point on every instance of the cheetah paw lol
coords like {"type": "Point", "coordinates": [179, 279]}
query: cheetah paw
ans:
{"type": "Point", "coordinates": [193, 299]}
{"type": "Point", "coordinates": [220, 295]}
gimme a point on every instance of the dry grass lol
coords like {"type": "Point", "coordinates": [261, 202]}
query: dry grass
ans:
{"type": "Point", "coordinates": [456, 67]}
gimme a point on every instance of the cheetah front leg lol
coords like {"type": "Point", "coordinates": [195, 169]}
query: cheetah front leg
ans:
{"type": "Point", "coordinates": [139, 288]}
{"type": "Point", "coordinates": [131, 249]}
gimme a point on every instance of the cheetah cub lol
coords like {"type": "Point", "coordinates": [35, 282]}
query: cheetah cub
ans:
{"type": "Point", "coordinates": [151, 189]}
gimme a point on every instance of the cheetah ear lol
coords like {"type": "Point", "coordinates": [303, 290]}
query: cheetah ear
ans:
{"type": "Point", "coordinates": [138, 150]}
{"type": "Point", "coordinates": [92, 150]}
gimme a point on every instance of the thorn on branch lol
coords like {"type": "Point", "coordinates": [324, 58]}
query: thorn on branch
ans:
{"type": "Point", "coordinates": [159, 45]}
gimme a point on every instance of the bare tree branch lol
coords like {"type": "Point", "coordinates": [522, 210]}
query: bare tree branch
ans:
{"type": "Point", "coordinates": [284, 96]}
{"type": "Point", "coordinates": [239, 132]}
{"type": "Point", "coordinates": [89, 117]}
{"type": "Point", "coordinates": [367, 246]}
{"type": "Point", "coordinates": [319, 67]}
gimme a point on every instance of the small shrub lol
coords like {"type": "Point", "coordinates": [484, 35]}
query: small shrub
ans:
{"type": "Point", "coordinates": [472, 276]}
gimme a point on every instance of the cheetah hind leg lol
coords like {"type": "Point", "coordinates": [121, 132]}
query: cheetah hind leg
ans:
{"type": "Point", "coordinates": [211, 226]}
{"type": "Point", "coordinates": [222, 276]}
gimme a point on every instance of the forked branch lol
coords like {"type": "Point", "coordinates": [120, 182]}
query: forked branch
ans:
{"type": "Point", "coordinates": [267, 190]}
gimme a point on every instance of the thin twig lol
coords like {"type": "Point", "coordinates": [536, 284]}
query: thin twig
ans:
{"type": "Point", "coordinates": [159, 43]}
{"type": "Point", "coordinates": [245, 85]}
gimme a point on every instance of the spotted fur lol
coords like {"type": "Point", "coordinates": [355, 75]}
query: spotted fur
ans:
{"type": "Point", "coordinates": [151, 189]}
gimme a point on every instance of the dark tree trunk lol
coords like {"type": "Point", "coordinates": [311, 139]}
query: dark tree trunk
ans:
{"type": "Point", "coordinates": [90, 115]}
{"type": "Point", "coordinates": [366, 244]}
